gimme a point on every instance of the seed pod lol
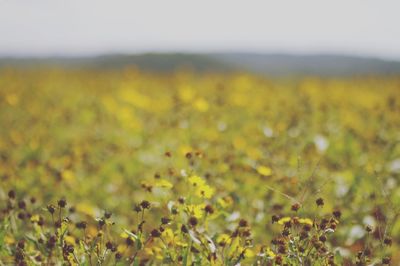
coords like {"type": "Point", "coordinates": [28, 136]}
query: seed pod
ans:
{"type": "Point", "coordinates": [295, 207]}
{"type": "Point", "coordinates": [209, 209]}
{"type": "Point", "coordinates": [319, 202]}
{"type": "Point", "coordinates": [193, 221]}
{"type": "Point", "coordinates": [155, 233]}
{"type": "Point", "coordinates": [62, 203]}
{"type": "Point", "coordinates": [145, 204]}
{"type": "Point", "coordinates": [11, 194]}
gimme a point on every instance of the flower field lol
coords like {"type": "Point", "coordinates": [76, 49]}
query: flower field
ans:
{"type": "Point", "coordinates": [107, 167]}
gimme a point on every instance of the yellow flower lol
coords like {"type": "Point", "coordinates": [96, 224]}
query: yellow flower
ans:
{"type": "Point", "coordinates": [196, 210]}
{"type": "Point", "coordinates": [70, 240]}
{"type": "Point", "coordinates": [224, 239]}
{"type": "Point", "coordinates": [68, 175]}
{"type": "Point", "coordinates": [284, 220]}
{"type": "Point", "coordinates": [305, 221]}
{"type": "Point", "coordinates": [225, 202]}
{"type": "Point", "coordinates": [205, 191]}
{"type": "Point", "coordinates": [196, 181]}
{"type": "Point", "coordinates": [264, 170]}
{"type": "Point", "coordinates": [35, 218]}
{"type": "Point", "coordinates": [270, 253]}
{"type": "Point", "coordinates": [248, 253]}
{"type": "Point", "coordinates": [201, 105]}
{"type": "Point", "coordinates": [163, 183]}
{"type": "Point", "coordinates": [168, 235]}
{"type": "Point", "coordinates": [148, 251]}
{"type": "Point", "coordinates": [9, 239]}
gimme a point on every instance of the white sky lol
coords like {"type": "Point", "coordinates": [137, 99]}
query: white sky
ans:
{"type": "Point", "coordinates": [80, 27]}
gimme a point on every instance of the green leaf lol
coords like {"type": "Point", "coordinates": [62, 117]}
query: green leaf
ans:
{"type": "Point", "coordinates": [129, 233]}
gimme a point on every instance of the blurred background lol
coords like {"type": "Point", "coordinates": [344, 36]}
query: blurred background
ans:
{"type": "Point", "coordinates": [269, 37]}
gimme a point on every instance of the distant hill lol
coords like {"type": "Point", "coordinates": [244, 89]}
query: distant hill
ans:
{"type": "Point", "coordinates": [283, 64]}
{"type": "Point", "coordinates": [269, 64]}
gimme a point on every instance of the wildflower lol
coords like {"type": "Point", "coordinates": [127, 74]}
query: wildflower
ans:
{"type": "Point", "coordinates": [322, 238]}
{"type": "Point", "coordinates": [205, 191]}
{"type": "Point", "coordinates": [19, 256]}
{"type": "Point", "coordinates": [145, 204]}
{"type": "Point", "coordinates": [137, 208]}
{"type": "Point", "coordinates": [22, 204]}
{"type": "Point", "coordinates": [284, 220]}
{"type": "Point", "coordinates": [107, 215]}
{"type": "Point", "coordinates": [306, 221]}
{"type": "Point", "coordinates": [386, 260]}
{"type": "Point", "coordinates": [223, 239]}
{"type": "Point", "coordinates": [195, 210]}
{"type": "Point", "coordinates": [193, 221]}
{"type": "Point", "coordinates": [165, 220]}
{"type": "Point", "coordinates": [174, 211]}
{"type": "Point", "coordinates": [35, 218]}
{"type": "Point", "coordinates": [285, 232]}
{"type": "Point", "coordinates": [41, 221]}
{"type": "Point", "coordinates": [274, 218]}
{"type": "Point", "coordinates": [337, 214]}
{"type": "Point", "coordinates": [209, 209]}
{"type": "Point", "coordinates": [307, 227]}
{"type": "Point", "coordinates": [51, 208]}
{"type": "Point", "coordinates": [21, 244]}
{"type": "Point", "coordinates": [278, 260]}
{"type": "Point", "coordinates": [184, 229]}
{"type": "Point", "coordinates": [68, 249]}
{"type": "Point", "coordinates": [264, 170]}
{"type": "Point", "coordinates": [57, 224]}
{"type": "Point", "coordinates": [101, 222]}
{"type": "Point", "coordinates": [282, 249]}
{"type": "Point", "coordinates": [11, 194]}
{"type": "Point", "coordinates": [129, 241]}
{"type": "Point", "coordinates": [181, 200]}
{"type": "Point", "coordinates": [303, 235]}
{"type": "Point", "coordinates": [333, 226]}
{"type": "Point", "coordinates": [225, 202]}
{"type": "Point", "coordinates": [295, 207]}
{"type": "Point", "coordinates": [62, 203]}
{"type": "Point", "coordinates": [387, 241]}
{"type": "Point", "coordinates": [169, 236]}
{"type": "Point", "coordinates": [155, 233]}
{"type": "Point", "coordinates": [196, 181]}
{"type": "Point", "coordinates": [368, 228]}
{"type": "Point", "coordinates": [288, 224]}
{"type": "Point", "coordinates": [163, 183]}
{"type": "Point", "coordinates": [319, 202]}
{"type": "Point", "coordinates": [81, 225]}
{"type": "Point", "coordinates": [270, 253]}
{"type": "Point", "coordinates": [243, 223]}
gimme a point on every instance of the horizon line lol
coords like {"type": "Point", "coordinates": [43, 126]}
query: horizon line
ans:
{"type": "Point", "coordinates": [73, 55]}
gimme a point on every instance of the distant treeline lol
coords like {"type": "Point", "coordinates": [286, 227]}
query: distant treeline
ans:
{"type": "Point", "coordinates": [269, 64]}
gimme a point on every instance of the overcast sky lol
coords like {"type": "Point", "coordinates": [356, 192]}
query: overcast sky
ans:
{"type": "Point", "coordinates": [81, 27]}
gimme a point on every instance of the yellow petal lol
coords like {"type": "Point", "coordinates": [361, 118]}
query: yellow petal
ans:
{"type": "Point", "coordinates": [264, 170]}
{"type": "Point", "coordinates": [163, 183]}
